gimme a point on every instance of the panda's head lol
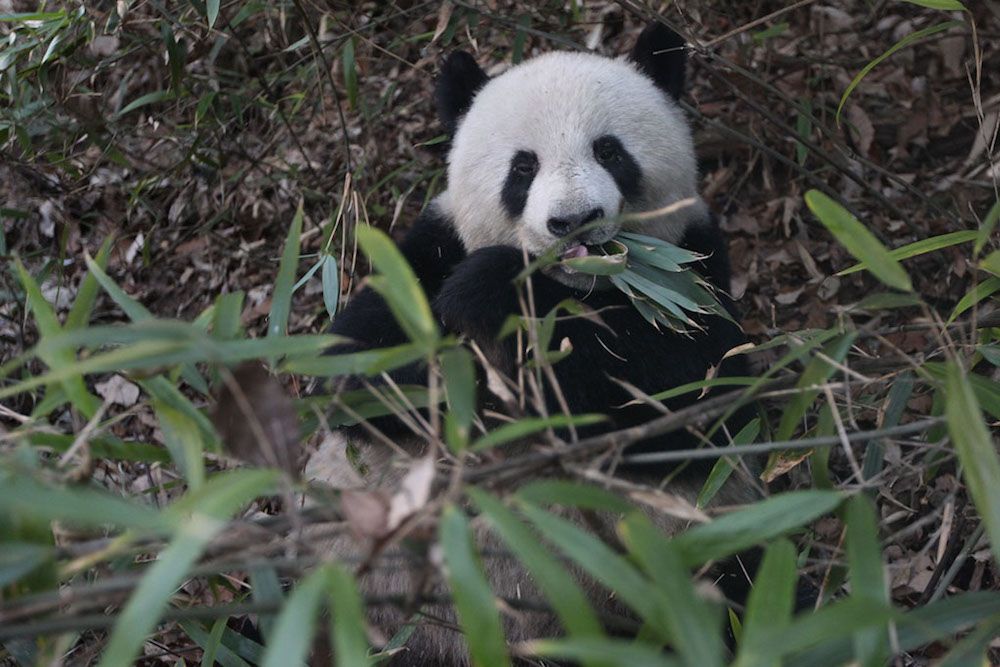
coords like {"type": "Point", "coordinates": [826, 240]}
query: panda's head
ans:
{"type": "Point", "coordinates": [565, 139]}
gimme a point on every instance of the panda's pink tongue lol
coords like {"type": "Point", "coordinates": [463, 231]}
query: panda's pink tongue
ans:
{"type": "Point", "coordinates": [575, 251]}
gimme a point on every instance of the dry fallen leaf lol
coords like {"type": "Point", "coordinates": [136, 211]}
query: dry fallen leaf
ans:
{"type": "Point", "coordinates": [256, 419]}
{"type": "Point", "coordinates": [367, 512]}
{"type": "Point", "coordinates": [118, 390]}
{"type": "Point", "coordinates": [413, 493]}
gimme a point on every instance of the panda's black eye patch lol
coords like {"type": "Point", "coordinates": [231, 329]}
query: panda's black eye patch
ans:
{"type": "Point", "coordinates": [514, 196]}
{"type": "Point", "coordinates": [611, 154]}
{"type": "Point", "coordinates": [525, 164]}
{"type": "Point", "coordinates": [606, 149]}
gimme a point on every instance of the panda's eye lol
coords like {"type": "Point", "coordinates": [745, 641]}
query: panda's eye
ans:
{"type": "Point", "coordinates": [606, 149]}
{"type": "Point", "coordinates": [524, 164]}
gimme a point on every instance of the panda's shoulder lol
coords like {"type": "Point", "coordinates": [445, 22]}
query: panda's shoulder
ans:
{"type": "Point", "coordinates": [432, 246]}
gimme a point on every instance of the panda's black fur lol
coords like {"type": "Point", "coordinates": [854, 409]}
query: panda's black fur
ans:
{"type": "Point", "coordinates": [473, 293]}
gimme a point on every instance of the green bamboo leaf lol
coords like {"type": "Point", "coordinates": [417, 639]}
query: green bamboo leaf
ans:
{"type": "Point", "coordinates": [769, 606]}
{"type": "Point", "coordinates": [281, 298]}
{"type": "Point", "coordinates": [366, 362]}
{"type": "Point", "coordinates": [48, 326]}
{"type": "Point", "coordinates": [151, 596]}
{"type": "Point", "coordinates": [350, 72]}
{"type": "Point", "coordinates": [291, 640]}
{"type": "Point", "coordinates": [976, 451]}
{"type": "Point", "coordinates": [183, 439]}
{"type": "Point", "coordinates": [347, 626]}
{"type": "Point", "coordinates": [836, 622]}
{"type": "Point", "coordinates": [212, 11]}
{"type": "Point", "coordinates": [460, 384]}
{"type": "Point", "coordinates": [991, 263]}
{"type": "Point", "coordinates": [529, 426]}
{"type": "Point", "coordinates": [398, 285]}
{"type": "Point", "coordinates": [729, 381]}
{"type": "Point", "coordinates": [331, 285]}
{"type": "Point", "coordinates": [199, 517]}
{"type": "Point", "coordinates": [226, 316]}
{"type": "Point", "coordinates": [18, 559]}
{"type": "Point", "coordinates": [602, 563]}
{"type": "Point", "coordinates": [148, 98]}
{"type": "Point", "coordinates": [860, 242]}
{"type": "Point", "coordinates": [86, 296]}
{"type": "Point", "coordinates": [724, 467]}
{"type": "Point", "coordinates": [941, 620]}
{"type": "Point", "coordinates": [210, 649]}
{"type": "Point", "coordinates": [132, 308]}
{"type": "Point", "coordinates": [986, 229]}
{"type": "Point", "coordinates": [864, 558]}
{"type": "Point", "coordinates": [692, 623]}
{"type": "Point", "coordinates": [973, 649]}
{"type": "Point", "coordinates": [817, 371]}
{"type": "Point", "coordinates": [758, 523]}
{"type": "Point", "coordinates": [620, 652]}
{"type": "Point", "coordinates": [477, 609]}
{"type": "Point", "coordinates": [223, 654]}
{"type": "Point", "coordinates": [912, 38]}
{"type": "Point", "coordinates": [954, 5]}
{"type": "Point", "coordinates": [556, 584]}
{"type": "Point", "coordinates": [983, 290]}
{"type": "Point", "coordinates": [922, 247]}
{"type": "Point", "coordinates": [572, 494]}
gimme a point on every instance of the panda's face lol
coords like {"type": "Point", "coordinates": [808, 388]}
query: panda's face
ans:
{"type": "Point", "coordinates": [564, 140]}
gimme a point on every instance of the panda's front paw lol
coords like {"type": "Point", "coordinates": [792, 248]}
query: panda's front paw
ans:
{"type": "Point", "coordinates": [480, 293]}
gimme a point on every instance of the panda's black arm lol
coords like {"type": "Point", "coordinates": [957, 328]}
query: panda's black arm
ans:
{"type": "Point", "coordinates": [432, 249]}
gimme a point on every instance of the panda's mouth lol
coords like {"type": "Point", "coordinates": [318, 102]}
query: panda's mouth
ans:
{"type": "Point", "coordinates": [574, 250]}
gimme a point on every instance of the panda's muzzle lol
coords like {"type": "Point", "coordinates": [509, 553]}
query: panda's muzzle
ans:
{"type": "Point", "coordinates": [567, 224]}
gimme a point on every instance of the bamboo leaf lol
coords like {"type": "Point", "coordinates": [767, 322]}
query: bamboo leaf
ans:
{"type": "Point", "coordinates": [860, 242]}
{"type": "Point", "coordinates": [769, 606]}
{"type": "Point", "coordinates": [611, 651]}
{"type": "Point", "coordinates": [692, 623]}
{"type": "Point", "coordinates": [906, 41]}
{"type": "Point", "coordinates": [724, 467]}
{"type": "Point", "coordinates": [530, 425]}
{"type": "Point", "coordinates": [399, 286]}
{"type": "Point", "coordinates": [983, 290]}
{"type": "Point", "coordinates": [549, 574]}
{"type": "Point", "coordinates": [976, 451]}
{"type": "Point", "coordinates": [144, 100]}
{"type": "Point", "coordinates": [291, 639]}
{"type": "Point", "coordinates": [864, 558]}
{"type": "Point", "coordinates": [939, 4]}
{"type": "Point", "coordinates": [922, 247]}
{"type": "Point", "coordinates": [460, 384]}
{"type": "Point", "coordinates": [758, 523]}
{"type": "Point", "coordinates": [212, 12]}
{"type": "Point", "coordinates": [281, 298]}
{"type": "Point", "coordinates": [603, 564]}
{"type": "Point", "coordinates": [331, 285]}
{"type": "Point", "coordinates": [477, 610]}
{"type": "Point", "coordinates": [986, 229]}
{"type": "Point", "coordinates": [347, 614]}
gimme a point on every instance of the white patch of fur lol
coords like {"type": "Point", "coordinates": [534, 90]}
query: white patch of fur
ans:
{"type": "Point", "coordinates": [556, 105]}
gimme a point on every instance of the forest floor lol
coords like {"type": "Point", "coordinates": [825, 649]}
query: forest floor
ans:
{"type": "Point", "coordinates": [198, 190]}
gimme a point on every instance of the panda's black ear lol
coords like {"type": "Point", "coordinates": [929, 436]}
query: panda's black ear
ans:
{"type": "Point", "coordinates": [459, 81]}
{"type": "Point", "coordinates": [659, 53]}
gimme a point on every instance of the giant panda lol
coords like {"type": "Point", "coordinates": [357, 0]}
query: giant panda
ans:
{"type": "Point", "coordinates": [557, 142]}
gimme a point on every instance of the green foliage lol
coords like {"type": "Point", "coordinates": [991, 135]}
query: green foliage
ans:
{"type": "Point", "coordinates": [139, 546]}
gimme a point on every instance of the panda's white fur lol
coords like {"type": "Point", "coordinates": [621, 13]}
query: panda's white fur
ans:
{"type": "Point", "coordinates": [556, 105]}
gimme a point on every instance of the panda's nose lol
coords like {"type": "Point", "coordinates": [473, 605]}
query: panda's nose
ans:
{"type": "Point", "coordinates": [566, 224]}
